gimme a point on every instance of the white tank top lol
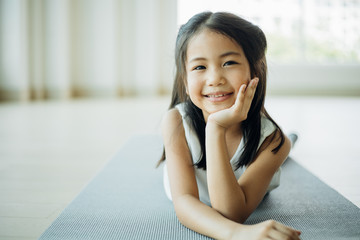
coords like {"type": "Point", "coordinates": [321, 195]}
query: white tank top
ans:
{"type": "Point", "coordinates": [267, 127]}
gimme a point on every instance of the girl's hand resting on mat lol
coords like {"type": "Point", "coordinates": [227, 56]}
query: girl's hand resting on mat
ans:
{"type": "Point", "coordinates": [239, 111]}
{"type": "Point", "coordinates": [266, 230]}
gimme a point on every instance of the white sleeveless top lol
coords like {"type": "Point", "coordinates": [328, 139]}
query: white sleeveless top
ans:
{"type": "Point", "coordinates": [267, 127]}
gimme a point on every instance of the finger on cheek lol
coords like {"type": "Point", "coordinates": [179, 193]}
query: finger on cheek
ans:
{"type": "Point", "coordinates": [254, 82]}
{"type": "Point", "coordinates": [243, 88]}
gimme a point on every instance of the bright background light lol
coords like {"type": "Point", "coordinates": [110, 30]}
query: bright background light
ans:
{"type": "Point", "coordinates": [298, 31]}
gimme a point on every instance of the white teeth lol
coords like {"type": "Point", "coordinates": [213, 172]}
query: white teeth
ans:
{"type": "Point", "coordinates": [215, 96]}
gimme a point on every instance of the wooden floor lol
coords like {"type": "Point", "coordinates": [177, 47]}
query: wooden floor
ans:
{"type": "Point", "coordinates": [50, 150]}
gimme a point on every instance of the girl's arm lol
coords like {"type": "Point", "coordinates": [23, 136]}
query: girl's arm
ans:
{"type": "Point", "coordinates": [237, 199]}
{"type": "Point", "coordinates": [190, 211]}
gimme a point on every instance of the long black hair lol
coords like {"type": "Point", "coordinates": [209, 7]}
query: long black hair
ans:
{"type": "Point", "coordinates": [253, 42]}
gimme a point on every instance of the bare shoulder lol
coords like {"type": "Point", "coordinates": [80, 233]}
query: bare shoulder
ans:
{"type": "Point", "coordinates": [172, 125]}
{"type": "Point", "coordinates": [273, 141]}
{"type": "Point", "coordinates": [172, 116]}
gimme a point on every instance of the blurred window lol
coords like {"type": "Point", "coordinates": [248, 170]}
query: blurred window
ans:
{"type": "Point", "coordinates": [298, 31]}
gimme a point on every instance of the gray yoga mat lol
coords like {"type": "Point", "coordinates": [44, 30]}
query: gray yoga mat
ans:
{"type": "Point", "coordinates": [126, 201]}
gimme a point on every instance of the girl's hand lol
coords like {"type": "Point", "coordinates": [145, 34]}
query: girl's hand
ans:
{"type": "Point", "coordinates": [266, 230]}
{"type": "Point", "coordinates": [237, 112]}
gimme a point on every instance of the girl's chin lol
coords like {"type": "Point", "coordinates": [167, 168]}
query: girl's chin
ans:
{"type": "Point", "coordinates": [219, 106]}
{"type": "Point", "coordinates": [214, 109]}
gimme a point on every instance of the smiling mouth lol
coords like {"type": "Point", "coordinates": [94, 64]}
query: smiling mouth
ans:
{"type": "Point", "coordinates": [217, 95]}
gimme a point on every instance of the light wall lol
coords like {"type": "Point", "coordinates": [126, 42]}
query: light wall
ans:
{"type": "Point", "coordinates": [85, 48]}
{"type": "Point", "coordinates": [88, 48]}
{"type": "Point", "coordinates": [302, 79]}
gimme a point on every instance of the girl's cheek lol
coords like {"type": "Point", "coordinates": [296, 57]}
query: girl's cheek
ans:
{"type": "Point", "coordinates": [190, 88]}
{"type": "Point", "coordinates": [192, 84]}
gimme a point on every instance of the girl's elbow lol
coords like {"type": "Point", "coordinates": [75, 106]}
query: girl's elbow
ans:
{"type": "Point", "coordinates": [182, 206]}
{"type": "Point", "coordinates": [179, 211]}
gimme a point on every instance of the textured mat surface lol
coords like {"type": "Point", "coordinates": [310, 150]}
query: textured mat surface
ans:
{"type": "Point", "coordinates": [126, 201]}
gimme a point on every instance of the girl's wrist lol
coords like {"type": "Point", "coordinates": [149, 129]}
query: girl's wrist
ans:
{"type": "Point", "coordinates": [213, 126]}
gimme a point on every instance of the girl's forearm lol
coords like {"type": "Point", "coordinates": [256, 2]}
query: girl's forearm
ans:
{"type": "Point", "coordinates": [203, 219]}
{"type": "Point", "coordinates": [225, 193]}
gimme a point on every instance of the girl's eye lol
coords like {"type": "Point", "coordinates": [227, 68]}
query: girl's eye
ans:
{"type": "Point", "coordinates": [230, 63]}
{"type": "Point", "coordinates": [199, 68]}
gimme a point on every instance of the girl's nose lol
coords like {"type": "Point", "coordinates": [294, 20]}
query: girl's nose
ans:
{"type": "Point", "coordinates": [215, 78]}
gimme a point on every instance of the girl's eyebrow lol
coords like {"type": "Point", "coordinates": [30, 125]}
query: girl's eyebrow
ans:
{"type": "Point", "coordinates": [221, 56]}
{"type": "Point", "coordinates": [197, 59]}
{"type": "Point", "coordinates": [229, 54]}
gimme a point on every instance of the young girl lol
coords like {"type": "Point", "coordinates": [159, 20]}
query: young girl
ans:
{"type": "Point", "coordinates": [223, 151]}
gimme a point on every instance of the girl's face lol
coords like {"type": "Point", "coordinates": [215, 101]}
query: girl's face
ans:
{"type": "Point", "coordinates": [216, 67]}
